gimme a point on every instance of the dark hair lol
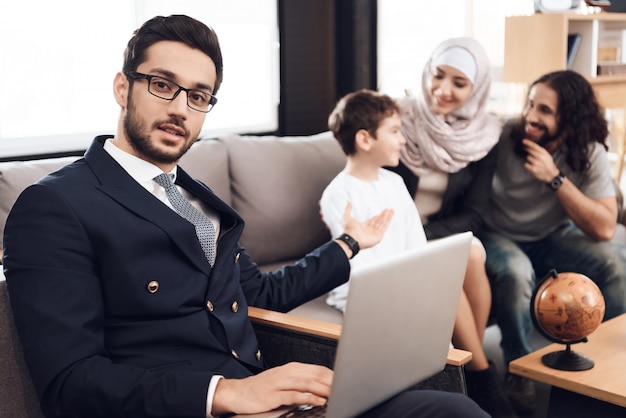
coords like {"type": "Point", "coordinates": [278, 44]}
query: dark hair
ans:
{"type": "Point", "coordinates": [363, 109]}
{"type": "Point", "coordinates": [581, 120]}
{"type": "Point", "coordinates": [179, 28]}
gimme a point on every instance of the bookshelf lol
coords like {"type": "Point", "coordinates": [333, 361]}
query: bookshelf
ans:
{"type": "Point", "coordinates": [537, 44]}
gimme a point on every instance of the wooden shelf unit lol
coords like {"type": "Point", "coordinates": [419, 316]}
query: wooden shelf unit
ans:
{"type": "Point", "coordinates": [537, 44]}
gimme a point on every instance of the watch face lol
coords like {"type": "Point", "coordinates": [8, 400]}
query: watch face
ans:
{"type": "Point", "coordinates": [556, 183]}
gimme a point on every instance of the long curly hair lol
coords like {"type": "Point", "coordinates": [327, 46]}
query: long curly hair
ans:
{"type": "Point", "coordinates": [581, 120]}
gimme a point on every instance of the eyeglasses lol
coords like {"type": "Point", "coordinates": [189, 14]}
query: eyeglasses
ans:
{"type": "Point", "coordinates": [163, 88]}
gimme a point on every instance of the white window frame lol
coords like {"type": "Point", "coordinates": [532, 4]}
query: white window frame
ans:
{"type": "Point", "coordinates": [58, 60]}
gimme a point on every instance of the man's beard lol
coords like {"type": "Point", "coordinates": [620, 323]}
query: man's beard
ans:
{"type": "Point", "coordinates": [520, 134]}
{"type": "Point", "coordinates": [546, 139]}
{"type": "Point", "coordinates": [139, 138]}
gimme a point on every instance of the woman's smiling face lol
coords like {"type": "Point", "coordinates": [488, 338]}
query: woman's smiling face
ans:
{"type": "Point", "coordinates": [449, 89]}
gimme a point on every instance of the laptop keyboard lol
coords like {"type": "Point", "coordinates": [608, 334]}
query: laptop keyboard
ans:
{"type": "Point", "coordinates": [306, 411]}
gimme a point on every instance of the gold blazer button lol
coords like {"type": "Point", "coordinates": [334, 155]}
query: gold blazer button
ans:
{"type": "Point", "coordinates": [209, 305]}
{"type": "Point", "coordinates": [234, 353]}
{"type": "Point", "coordinates": [153, 286]}
{"type": "Point", "coordinates": [234, 306]}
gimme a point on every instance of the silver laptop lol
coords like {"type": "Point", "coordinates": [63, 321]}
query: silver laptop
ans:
{"type": "Point", "coordinates": [397, 326]}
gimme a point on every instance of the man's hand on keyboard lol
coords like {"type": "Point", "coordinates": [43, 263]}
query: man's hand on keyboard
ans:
{"type": "Point", "coordinates": [291, 384]}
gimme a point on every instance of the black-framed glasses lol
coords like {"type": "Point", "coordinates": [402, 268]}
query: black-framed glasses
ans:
{"type": "Point", "coordinates": [165, 89]}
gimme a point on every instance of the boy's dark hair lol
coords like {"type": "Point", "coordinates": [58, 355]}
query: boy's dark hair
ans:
{"type": "Point", "coordinates": [362, 109]}
{"type": "Point", "coordinates": [179, 28]}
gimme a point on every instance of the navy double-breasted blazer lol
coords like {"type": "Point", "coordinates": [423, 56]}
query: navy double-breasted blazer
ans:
{"type": "Point", "coordinates": [119, 312]}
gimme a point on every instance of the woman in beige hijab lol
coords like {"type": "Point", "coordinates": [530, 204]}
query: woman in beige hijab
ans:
{"type": "Point", "coordinates": [447, 167]}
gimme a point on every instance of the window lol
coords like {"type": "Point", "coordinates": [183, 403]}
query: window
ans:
{"type": "Point", "coordinates": [58, 60]}
{"type": "Point", "coordinates": [408, 31]}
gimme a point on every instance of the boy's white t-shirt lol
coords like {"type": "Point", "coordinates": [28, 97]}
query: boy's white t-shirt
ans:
{"type": "Point", "coordinates": [368, 199]}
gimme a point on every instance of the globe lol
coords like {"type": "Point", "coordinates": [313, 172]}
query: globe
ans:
{"type": "Point", "coordinates": [566, 308]}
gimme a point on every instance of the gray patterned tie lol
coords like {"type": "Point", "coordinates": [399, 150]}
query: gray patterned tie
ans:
{"type": "Point", "coordinates": [204, 227]}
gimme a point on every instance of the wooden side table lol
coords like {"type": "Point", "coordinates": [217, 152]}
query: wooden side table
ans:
{"type": "Point", "coordinates": [585, 393]}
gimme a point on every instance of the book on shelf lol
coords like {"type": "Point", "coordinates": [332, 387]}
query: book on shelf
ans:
{"type": "Point", "coordinates": [573, 42]}
{"type": "Point", "coordinates": [611, 68]}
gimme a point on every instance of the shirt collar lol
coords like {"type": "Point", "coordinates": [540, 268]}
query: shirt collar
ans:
{"type": "Point", "coordinates": [140, 170]}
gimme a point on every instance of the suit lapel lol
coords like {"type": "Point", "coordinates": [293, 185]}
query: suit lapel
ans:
{"type": "Point", "coordinates": [118, 185]}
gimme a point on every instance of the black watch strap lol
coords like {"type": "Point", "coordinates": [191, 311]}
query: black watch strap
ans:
{"type": "Point", "coordinates": [351, 242]}
{"type": "Point", "coordinates": [557, 181]}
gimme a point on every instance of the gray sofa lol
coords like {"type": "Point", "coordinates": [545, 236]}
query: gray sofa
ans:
{"type": "Point", "coordinates": [275, 184]}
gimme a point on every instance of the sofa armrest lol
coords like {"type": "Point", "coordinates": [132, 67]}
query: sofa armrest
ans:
{"type": "Point", "coordinates": [284, 338]}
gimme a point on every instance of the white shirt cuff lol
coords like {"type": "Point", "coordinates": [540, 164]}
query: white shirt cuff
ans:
{"type": "Point", "coordinates": [211, 393]}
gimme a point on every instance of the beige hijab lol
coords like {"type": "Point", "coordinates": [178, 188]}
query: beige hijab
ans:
{"type": "Point", "coordinates": [449, 142]}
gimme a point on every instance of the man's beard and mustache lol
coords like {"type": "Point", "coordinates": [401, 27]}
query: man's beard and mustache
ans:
{"type": "Point", "coordinates": [139, 138]}
{"type": "Point", "coordinates": [520, 133]}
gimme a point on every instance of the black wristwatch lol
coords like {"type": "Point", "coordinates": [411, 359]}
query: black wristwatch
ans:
{"type": "Point", "coordinates": [557, 181]}
{"type": "Point", "coordinates": [351, 242]}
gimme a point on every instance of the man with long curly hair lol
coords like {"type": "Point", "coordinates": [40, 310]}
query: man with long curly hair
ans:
{"type": "Point", "coordinates": [553, 206]}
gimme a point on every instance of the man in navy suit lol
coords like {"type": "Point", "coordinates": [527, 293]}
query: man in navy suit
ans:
{"type": "Point", "coordinates": [120, 311]}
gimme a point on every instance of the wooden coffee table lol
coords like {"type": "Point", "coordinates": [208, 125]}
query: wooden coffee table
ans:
{"type": "Point", "coordinates": [601, 389]}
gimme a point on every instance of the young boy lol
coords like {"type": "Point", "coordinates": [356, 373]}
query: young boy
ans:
{"type": "Point", "coordinates": [368, 127]}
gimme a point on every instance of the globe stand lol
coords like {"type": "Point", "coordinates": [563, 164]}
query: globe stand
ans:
{"type": "Point", "coordinates": [567, 360]}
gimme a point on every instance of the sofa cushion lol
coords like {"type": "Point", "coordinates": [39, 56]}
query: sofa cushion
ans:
{"type": "Point", "coordinates": [207, 161]}
{"type": "Point", "coordinates": [15, 176]}
{"type": "Point", "coordinates": [276, 185]}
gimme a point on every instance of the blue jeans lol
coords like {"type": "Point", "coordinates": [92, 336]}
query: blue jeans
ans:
{"type": "Point", "coordinates": [513, 268]}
